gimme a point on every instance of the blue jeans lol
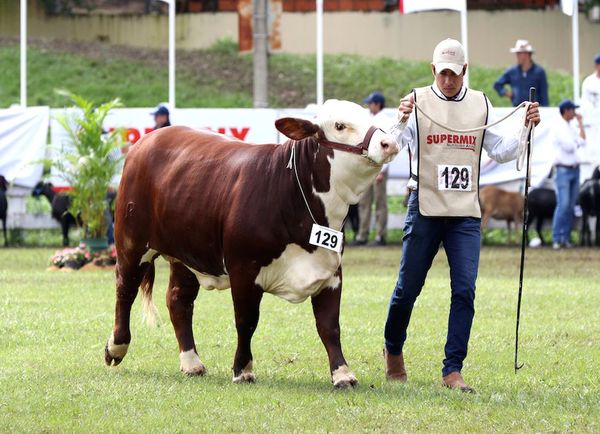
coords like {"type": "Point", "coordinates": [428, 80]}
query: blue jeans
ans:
{"type": "Point", "coordinates": [567, 189]}
{"type": "Point", "coordinates": [461, 238]}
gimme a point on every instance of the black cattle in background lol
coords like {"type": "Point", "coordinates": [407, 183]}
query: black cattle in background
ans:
{"type": "Point", "coordinates": [3, 206]}
{"type": "Point", "coordinates": [60, 207]}
{"type": "Point", "coordinates": [353, 219]}
{"type": "Point", "coordinates": [589, 201]}
{"type": "Point", "coordinates": [540, 205]}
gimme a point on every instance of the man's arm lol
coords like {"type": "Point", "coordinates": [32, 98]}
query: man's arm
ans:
{"type": "Point", "coordinates": [501, 82]}
{"type": "Point", "coordinates": [586, 92]}
{"type": "Point", "coordinates": [405, 132]}
{"type": "Point", "coordinates": [503, 148]}
{"type": "Point", "coordinates": [581, 139]}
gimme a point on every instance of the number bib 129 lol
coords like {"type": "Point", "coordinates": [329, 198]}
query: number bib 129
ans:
{"type": "Point", "coordinates": [322, 236]}
{"type": "Point", "coordinates": [454, 178]}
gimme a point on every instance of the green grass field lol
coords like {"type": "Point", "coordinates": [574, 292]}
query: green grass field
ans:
{"type": "Point", "coordinates": [219, 76]}
{"type": "Point", "coordinates": [54, 325]}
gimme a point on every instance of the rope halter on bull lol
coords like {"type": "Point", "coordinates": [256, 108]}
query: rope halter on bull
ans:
{"type": "Point", "coordinates": [525, 147]}
{"type": "Point", "coordinates": [361, 149]}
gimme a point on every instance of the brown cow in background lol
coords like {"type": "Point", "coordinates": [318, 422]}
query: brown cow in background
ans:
{"type": "Point", "coordinates": [225, 213]}
{"type": "Point", "coordinates": [501, 205]}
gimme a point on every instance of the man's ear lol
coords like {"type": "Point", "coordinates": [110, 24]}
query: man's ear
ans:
{"type": "Point", "coordinates": [433, 69]}
{"type": "Point", "coordinates": [296, 129]}
{"type": "Point", "coordinates": [464, 72]}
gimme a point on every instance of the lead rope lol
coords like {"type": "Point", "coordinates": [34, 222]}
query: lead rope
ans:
{"type": "Point", "coordinates": [292, 165]}
{"type": "Point", "coordinates": [523, 135]}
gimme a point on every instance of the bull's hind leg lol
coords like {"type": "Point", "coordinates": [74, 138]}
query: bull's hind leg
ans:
{"type": "Point", "coordinates": [246, 304]}
{"type": "Point", "coordinates": [129, 275]}
{"type": "Point", "coordinates": [182, 291]}
{"type": "Point", "coordinates": [326, 308]}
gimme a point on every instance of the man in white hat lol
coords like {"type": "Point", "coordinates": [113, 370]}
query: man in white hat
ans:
{"type": "Point", "coordinates": [520, 77]}
{"type": "Point", "coordinates": [443, 205]}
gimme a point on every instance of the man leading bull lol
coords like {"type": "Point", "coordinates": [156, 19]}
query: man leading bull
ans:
{"type": "Point", "coordinates": [443, 206]}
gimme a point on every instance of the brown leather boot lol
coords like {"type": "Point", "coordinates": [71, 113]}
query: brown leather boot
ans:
{"type": "Point", "coordinates": [455, 381]}
{"type": "Point", "coordinates": [394, 367]}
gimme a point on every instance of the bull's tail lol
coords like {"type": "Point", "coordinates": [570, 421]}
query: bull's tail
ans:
{"type": "Point", "coordinates": [149, 310]}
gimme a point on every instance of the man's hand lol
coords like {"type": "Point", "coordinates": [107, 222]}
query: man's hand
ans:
{"type": "Point", "coordinates": [580, 122]}
{"type": "Point", "coordinates": [406, 107]}
{"type": "Point", "coordinates": [379, 178]}
{"type": "Point", "coordinates": [508, 93]}
{"type": "Point", "coordinates": [533, 114]}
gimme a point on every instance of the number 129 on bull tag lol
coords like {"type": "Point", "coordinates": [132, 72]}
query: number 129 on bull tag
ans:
{"type": "Point", "coordinates": [322, 236]}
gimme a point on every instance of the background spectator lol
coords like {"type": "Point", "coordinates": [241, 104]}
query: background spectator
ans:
{"type": "Point", "coordinates": [590, 89]}
{"type": "Point", "coordinates": [520, 77]}
{"type": "Point", "coordinates": [378, 191]}
{"type": "Point", "coordinates": [566, 142]}
{"type": "Point", "coordinates": [161, 117]}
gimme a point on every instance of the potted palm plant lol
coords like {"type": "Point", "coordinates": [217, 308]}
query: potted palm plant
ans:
{"type": "Point", "coordinates": [88, 162]}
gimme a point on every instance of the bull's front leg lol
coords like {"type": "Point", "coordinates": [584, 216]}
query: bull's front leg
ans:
{"type": "Point", "coordinates": [326, 307]}
{"type": "Point", "coordinates": [246, 304]}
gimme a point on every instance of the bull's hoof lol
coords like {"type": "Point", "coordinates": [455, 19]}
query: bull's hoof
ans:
{"type": "Point", "coordinates": [110, 360]}
{"type": "Point", "coordinates": [347, 383]}
{"type": "Point", "coordinates": [113, 353]}
{"type": "Point", "coordinates": [197, 371]}
{"type": "Point", "coordinates": [343, 378]}
{"type": "Point", "coordinates": [244, 377]}
{"type": "Point", "coordinates": [190, 364]}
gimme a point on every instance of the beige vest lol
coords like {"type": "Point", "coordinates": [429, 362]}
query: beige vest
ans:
{"type": "Point", "coordinates": [448, 171]}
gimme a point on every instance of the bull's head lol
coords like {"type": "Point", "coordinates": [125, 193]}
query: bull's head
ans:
{"type": "Point", "coordinates": [347, 124]}
{"type": "Point", "coordinates": [360, 151]}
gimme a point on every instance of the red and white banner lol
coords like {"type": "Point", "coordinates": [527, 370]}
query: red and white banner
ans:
{"type": "Point", "coordinates": [410, 6]}
{"type": "Point", "coordinates": [23, 138]}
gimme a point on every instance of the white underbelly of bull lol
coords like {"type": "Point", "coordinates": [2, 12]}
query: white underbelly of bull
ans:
{"type": "Point", "coordinates": [298, 274]}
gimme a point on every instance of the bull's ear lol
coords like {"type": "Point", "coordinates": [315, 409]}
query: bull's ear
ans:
{"type": "Point", "coordinates": [296, 129]}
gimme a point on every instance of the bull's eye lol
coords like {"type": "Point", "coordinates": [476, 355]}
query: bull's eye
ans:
{"type": "Point", "coordinates": [339, 126]}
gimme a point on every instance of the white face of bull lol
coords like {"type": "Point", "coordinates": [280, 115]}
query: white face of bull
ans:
{"type": "Point", "coordinates": [347, 123]}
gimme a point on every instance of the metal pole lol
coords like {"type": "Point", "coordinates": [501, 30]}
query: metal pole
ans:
{"type": "Point", "coordinates": [23, 53]}
{"type": "Point", "coordinates": [319, 52]}
{"type": "Point", "coordinates": [575, 38]}
{"type": "Point", "coordinates": [172, 54]}
{"type": "Point", "coordinates": [171, 4]}
{"type": "Point", "coordinates": [464, 38]}
{"type": "Point", "coordinates": [261, 65]}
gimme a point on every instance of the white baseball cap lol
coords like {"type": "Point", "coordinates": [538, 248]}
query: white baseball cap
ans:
{"type": "Point", "coordinates": [449, 54]}
{"type": "Point", "coordinates": [522, 46]}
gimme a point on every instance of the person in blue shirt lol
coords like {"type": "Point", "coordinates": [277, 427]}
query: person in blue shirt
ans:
{"type": "Point", "coordinates": [520, 77]}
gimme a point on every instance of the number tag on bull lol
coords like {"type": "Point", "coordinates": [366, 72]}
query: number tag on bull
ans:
{"type": "Point", "coordinates": [454, 178]}
{"type": "Point", "coordinates": [322, 236]}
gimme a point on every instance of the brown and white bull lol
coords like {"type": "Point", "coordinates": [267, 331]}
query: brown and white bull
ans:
{"type": "Point", "coordinates": [228, 214]}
